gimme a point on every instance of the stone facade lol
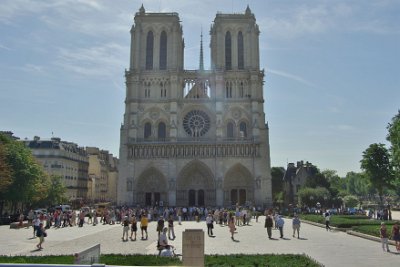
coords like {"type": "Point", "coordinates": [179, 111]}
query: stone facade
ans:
{"type": "Point", "coordinates": [103, 175]}
{"type": "Point", "coordinates": [64, 159]}
{"type": "Point", "coordinates": [294, 179]}
{"type": "Point", "coordinates": [194, 137]}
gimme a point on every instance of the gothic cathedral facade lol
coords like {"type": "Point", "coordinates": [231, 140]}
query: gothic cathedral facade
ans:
{"type": "Point", "coordinates": [194, 137]}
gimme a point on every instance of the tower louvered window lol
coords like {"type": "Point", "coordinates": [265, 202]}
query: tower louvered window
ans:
{"type": "Point", "coordinates": [149, 50]}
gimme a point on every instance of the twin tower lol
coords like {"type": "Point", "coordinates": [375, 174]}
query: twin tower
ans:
{"type": "Point", "coordinates": [194, 137]}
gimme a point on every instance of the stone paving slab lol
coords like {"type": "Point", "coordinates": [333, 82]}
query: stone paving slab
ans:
{"type": "Point", "coordinates": [334, 248]}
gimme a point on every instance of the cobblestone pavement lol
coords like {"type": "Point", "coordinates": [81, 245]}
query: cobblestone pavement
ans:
{"type": "Point", "coordinates": [329, 248]}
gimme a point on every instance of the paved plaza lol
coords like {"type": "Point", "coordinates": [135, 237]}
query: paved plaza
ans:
{"type": "Point", "coordinates": [329, 248]}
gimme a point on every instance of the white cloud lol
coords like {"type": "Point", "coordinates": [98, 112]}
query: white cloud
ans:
{"type": "Point", "coordinates": [104, 60]}
{"type": "Point", "coordinates": [290, 76]}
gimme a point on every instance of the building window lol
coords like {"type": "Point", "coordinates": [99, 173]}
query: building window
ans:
{"type": "Point", "coordinates": [241, 90]}
{"type": "Point", "coordinates": [243, 129]}
{"type": "Point", "coordinates": [162, 132]}
{"type": "Point", "coordinates": [163, 91]}
{"type": "Point", "coordinates": [229, 130]}
{"type": "Point", "coordinates": [228, 51]}
{"type": "Point", "coordinates": [228, 89]}
{"type": "Point", "coordinates": [163, 51]}
{"type": "Point", "coordinates": [240, 51]}
{"type": "Point", "coordinates": [129, 186]}
{"type": "Point", "coordinates": [147, 130]}
{"type": "Point", "coordinates": [149, 50]}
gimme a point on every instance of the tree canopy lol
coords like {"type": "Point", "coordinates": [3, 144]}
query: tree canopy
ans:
{"type": "Point", "coordinates": [393, 137]}
{"type": "Point", "coordinates": [377, 166]}
{"type": "Point", "coordinates": [23, 181]}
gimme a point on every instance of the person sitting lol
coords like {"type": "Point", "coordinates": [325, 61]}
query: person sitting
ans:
{"type": "Point", "coordinates": [163, 241]}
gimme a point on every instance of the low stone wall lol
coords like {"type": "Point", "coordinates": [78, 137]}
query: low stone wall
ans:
{"type": "Point", "coordinates": [15, 225]}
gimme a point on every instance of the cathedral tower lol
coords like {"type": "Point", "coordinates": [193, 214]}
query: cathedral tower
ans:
{"type": "Point", "coordinates": [194, 137]}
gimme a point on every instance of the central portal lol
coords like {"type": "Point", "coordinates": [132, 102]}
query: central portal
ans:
{"type": "Point", "coordinates": [195, 186]}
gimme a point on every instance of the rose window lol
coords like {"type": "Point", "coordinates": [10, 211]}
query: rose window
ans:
{"type": "Point", "coordinates": [196, 123]}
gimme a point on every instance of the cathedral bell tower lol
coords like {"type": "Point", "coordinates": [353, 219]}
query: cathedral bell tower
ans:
{"type": "Point", "coordinates": [194, 137]}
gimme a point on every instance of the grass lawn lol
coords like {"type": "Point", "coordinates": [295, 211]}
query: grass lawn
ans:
{"type": "Point", "coordinates": [359, 223]}
{"type": "Point", "coordinates": [149, 260]}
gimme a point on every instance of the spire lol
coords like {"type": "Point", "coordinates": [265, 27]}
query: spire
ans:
{"type": "Point", "coordinates": [142, 10]}
{"type": "Point", "coordinates": [201, 67]}
{"type": "Point", "coordinates": [248, 11]}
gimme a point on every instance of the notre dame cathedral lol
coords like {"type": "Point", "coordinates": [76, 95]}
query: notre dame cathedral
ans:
{"type": "Point", "coordinates": [194, 137]}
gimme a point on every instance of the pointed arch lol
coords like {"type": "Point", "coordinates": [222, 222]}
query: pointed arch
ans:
{"type": "Point", "coordinates": [238, 185]}
{"type": "Point", "coordinates": [240, 47]}
{"type": "Point", "coordinates": [163, 51]}
{"type": "Point", "coordinates": [147, 130]}
{"type": "Point", "coordinates": [151, 187]}
{"type": "Point", "coordinates": [162, 131]}
{"type": "Point", "coordinates": [149, 50]}
{"type": "Point", "coordinates": [228, 51]}
{"type": "Point", "coordinates": [195, 182]}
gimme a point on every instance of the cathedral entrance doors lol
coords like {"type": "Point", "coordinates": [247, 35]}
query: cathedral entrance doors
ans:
{"type": "Point", "coordinates": [196, 195]}
{"type": "Point", "coordinates": [195, 185]}
{"type": "Point", "coordinates": [238, 186]}
{"type": "Point", "coordinates": [152, 198]}
{"type": "Point", "coordinates": [151, 188]}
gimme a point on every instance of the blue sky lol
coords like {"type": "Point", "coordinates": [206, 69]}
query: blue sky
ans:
{"type": "Point", "coordinates": [331, 85]}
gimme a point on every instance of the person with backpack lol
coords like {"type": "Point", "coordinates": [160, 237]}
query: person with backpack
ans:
{"type": "Point", "coordinates": [41, 233]}
{"type": "Point", "coordinates": [269, 223]}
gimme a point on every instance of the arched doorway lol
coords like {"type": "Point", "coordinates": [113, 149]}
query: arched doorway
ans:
{"type": "Point", "coordinates": [195, 185]}
{"type": "Point", "coordinates": [238, 186]}
{"type": "Point", "coordinates": [151, 188]}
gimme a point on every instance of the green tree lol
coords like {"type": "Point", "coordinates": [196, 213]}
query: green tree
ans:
{"type": "Point", "coordinates": [357, 184]}
{"type": "Point", "coordinates": [56, 192]}
{"type": "Point", "coordinates": [29, 182]}
{"type": "Point", "coordinates": [393, 137]}
{"type": "Point", "coordinates": [277, 174]}
{"type": "Point", "coordinates": [310, 196]}
{"type": "Point", "coordinates": [317, 180]}
{"type": "Point", "coordinates": [377, 167]}
{"type": "Point", "coordinates": [5, 176]}
{"type": "Point", "coordinates": [351, 201]}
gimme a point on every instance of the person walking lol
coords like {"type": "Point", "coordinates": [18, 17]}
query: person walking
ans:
{"type": "Point", "coordinates": [133, 227]}
{"type": "Point", "coordinates": [160, 225]}
{"type": "Point", "coordinates": [41, 233]}
{"type": "Point", "coordinates": [231, 226]}
{"type": "Point", "coordinates": [296, 225]}
{"type": "Point", "coordinates": [269, 224]}
{"type": "Point", "coordinates": [171, 227]}
{"type": "Point", "coordinates": [210, 224]}
{"type": "Point", "coordinates": [280, 222]}
{"type": "Point", "coordinates": [396, 235]}
{"type": "Point", "coordinates": [384, 237]}
{"type": "Point", "coordinates": [125, 231]}
{"type": "Point", "coordinates": [327, 221]}
{"type": "Point", "coordinates": [144, 221]}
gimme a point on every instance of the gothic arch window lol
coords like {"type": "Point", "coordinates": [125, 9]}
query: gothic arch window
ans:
{"type": "Point", "coordinates": [243, 129]}
{"type": "Point", "coordinates": [163, 90]}
{"type": "Point", "coordinates": [229, 130]}
{"type": "Point", "coordinates": [228, 89]}
{"type": "Point", "coordinates": [241, 89]}
{"type": "Point", "coordinates": [228, 51]}
{"type": "Point", "coordinates": [163, 51]}
{"type": "Point", "coordinates": [149, 50]}
{"type": "Point", "coordinates": [162, 131]}
{"type": "Point", "coordinates": [147, 130]}
{"type": "Point", "coordinates": [240, 51]}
